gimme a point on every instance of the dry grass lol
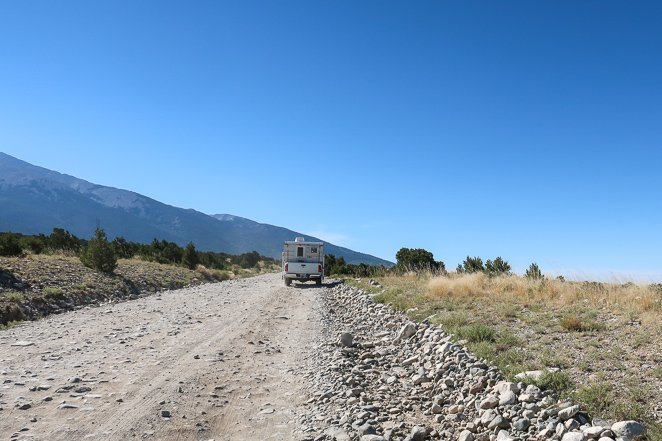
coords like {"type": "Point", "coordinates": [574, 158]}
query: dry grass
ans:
{"type": "Point", "coordinates": [597, 333]}
{"type": "Point", "coordinates": [213, 274]}
{"type": "Point", "coordinates": [645, 300]}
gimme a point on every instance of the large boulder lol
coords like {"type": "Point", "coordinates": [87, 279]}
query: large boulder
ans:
{"type": "Point", "coordinates": [628, 430]}
{"type": "Point", "coordinates": [407, 331]}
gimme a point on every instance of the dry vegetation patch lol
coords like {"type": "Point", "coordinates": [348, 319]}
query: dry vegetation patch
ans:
{"type": "Point", "coordinates": [604, 338]}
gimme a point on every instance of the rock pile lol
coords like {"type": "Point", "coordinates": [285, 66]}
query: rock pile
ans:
{"type": "Point", "coordinates": [379, 376]}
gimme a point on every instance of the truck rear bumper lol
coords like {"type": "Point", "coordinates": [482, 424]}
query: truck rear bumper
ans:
{"type": "Point", "coordinates": [302, 277]}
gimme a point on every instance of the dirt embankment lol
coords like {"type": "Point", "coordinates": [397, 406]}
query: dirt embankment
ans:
{"type": "Point", "coordinates": [38, 285]}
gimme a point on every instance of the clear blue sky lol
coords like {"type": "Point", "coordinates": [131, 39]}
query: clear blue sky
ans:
{"type": "Point", "coordinates": [526, 129]}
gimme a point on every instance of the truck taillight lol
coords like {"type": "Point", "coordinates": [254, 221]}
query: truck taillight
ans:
{"type": "Point", "coordinates": [286, 267]}
{"type": "Point", "coordinates": [319, 268]}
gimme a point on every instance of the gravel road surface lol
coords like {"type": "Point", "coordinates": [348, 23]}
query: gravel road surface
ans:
{"type": "Point", "coordinates": [216, 361]}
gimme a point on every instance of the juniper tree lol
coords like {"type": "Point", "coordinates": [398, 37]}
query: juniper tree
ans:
{"type": "Point", "coordinates": [534, 272]}
{"type": "Point", "coordinates": [473, 265]}
{"type": "Point", "coordinates": [417, 259]}
{"type": "Point", "coordinates": [497, 266]}
{"type": "Point", "coordinates": [190, 257]}
{"type": "Point", "coordinates": [99, 253]}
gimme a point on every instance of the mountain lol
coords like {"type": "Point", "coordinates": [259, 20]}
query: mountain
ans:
{"type": "Point", "coordinates": [35, 200]}
{"type": "Point", "coordinates": [250, 234]}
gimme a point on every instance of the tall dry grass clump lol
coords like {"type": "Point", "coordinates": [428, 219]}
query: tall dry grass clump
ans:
{"type": "Point", "coordinates": [459, 287]}
{"type": "Point", "coordinates": [640, 299]}
{"type": "Point", "coordinates": [505, 287]}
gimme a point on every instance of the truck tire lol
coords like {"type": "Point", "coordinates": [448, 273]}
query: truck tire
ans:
{"type": "Point", "coordinates": [288, 281]}
{"type": "Point", "coordinates": [318, 282]}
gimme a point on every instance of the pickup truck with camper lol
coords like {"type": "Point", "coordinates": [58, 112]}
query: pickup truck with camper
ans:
{"type": "Point", "coordinates": [303, 261]}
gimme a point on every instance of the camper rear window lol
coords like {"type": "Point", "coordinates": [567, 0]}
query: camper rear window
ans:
{"type": "Point", "coordinates": [299, 251]}
{"type": "Point", "coordinates": [313, 250]}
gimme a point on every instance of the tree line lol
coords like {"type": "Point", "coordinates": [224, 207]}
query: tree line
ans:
{"type": "Point", "coordinates": [419, 260]}
{"type": "Point", "coordinates": [101, 254]}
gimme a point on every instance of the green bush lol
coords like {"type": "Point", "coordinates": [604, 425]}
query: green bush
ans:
{"type": "Point", "coordinates": [99, 253]}
{"type": "Point", "coordinates": [497, 266]}
{"type": "Point", "coordinates": [534, 272]}
{"type": "Point", "coordinates": [123, 248]}
{"type": "Point", "coordinates": [36, 244]}
{"type": "Point", "coordinates": [53, 292]}
{"type": "Point", "coordinates": [190, 257]}
{"type": "Point", "coordinates": [61, 239]}
{"type": "Point", "coordinates": [10, 245]}
{"type": "Point", "coordinates": [162, 251]}
{"type": "Point", "coordinates": [557, 381]}
{"type": "Point", "coordinates": [247, 260]}
{"type": "Point", "coordinates": [417, 259]}
{"type": "Point", "coordinates": [213, 260]}
{"type": "Point", "coordinates": [476, 333]}
{"type": "Point", "coordinates": [471, 265]}
{"type": "Point", "coordinates": [597, 396]}
{"type": "Point", "coordinates": [338, 266]}
{"type": "Point", "coordinates": [14, 297]}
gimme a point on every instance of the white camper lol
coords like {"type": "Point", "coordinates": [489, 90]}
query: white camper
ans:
{"type": "Point", "coordinates": [303, 261]}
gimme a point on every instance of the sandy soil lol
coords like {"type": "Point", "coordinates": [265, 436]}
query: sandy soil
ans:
{"type": "Point", "coordinates": [219, 359]}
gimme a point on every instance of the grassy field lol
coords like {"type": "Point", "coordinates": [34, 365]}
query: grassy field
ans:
{"type": "Point", "coordinates": [604, 339]}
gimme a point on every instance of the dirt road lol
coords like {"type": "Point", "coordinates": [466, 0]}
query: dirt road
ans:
{"type": "Point", "coordinates": [211, 362]}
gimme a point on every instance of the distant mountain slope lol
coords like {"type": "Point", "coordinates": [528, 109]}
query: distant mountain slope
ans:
{"type": "Point", "coordinates": [250, 233]}
{"type": "Point", "coordinates": [35, 200]}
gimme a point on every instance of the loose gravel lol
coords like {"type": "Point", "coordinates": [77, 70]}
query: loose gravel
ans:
{"type": "Point", "coordinates": [377, 376]}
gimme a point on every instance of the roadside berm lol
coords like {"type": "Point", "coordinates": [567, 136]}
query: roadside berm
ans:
{"type": "Point", "coordinates": [378, 376]}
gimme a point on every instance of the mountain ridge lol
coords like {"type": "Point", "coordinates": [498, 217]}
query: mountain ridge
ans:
{"type": "Point", "coordinates": [35, 200]}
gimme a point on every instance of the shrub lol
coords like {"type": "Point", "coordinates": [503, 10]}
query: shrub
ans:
{"type": "Point", "coordinates": [334, 265]}
{"type": "Point", "coordinates": [11, 314]}
{"type": "Point", "coordinates": [597, 396]}
{"type": "Point", "coordinates": [190, 257]}
{"type": "Point", "coordinates": [123, 248]}
{"type": "Point", "coordinates": [472, 265]}
{"type": "Point", "coordinates": [247, 260]}
{"type": "Point", "coordinates": [162, 251]}
{"type": "Point", "coordinates": [99, 254]}
{"type": "Point", "coordinates": [417, 259]}
{"type": "Point", "coordinates": [329, 264]}
{"type": "Point", "coordinates": [10, 245]}
{"type": "Point", "coordinates": [454, 321]}
{"type": "Point", "coordinates": [14, 297]}
{"type": "Point", "coordinates": [61, 239]}
{"type": "Point", "coordinates": [52, 292]}
{"type": "Point", "coordinates": [220, 275]}
{"type": "Point", "coordinates": [557, 381]}
{"type": "Point", "coordinates": [476, 333]}
{"type": "Point", "coordinates": [36, 244]}
{"type": "Point", "coordinates": [212, 274]}
{"type": "Point", "coordinates": [497, 267]}
{"type": "Point", "coordinates": [534, 272]}
{"type": "Point", "coordinates": [572, 322]}
{"type": "Point", "coordinates": [484, 350]}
